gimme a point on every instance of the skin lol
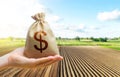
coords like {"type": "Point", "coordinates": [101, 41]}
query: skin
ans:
{"type": "Point", "coordinates": [17, 58]}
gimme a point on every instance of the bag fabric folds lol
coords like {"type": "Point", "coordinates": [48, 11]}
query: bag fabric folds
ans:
{"type": "Point", "coordinates": [40, 41]}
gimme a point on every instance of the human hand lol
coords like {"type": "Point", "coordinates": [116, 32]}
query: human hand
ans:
{"type": "Point", "coordinates": [17, 58]}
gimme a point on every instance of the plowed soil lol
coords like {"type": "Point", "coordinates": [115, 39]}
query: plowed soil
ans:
{"type": "Point", "coordinates": [79, 61]}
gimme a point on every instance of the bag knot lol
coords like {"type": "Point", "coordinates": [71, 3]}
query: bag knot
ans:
{"type": "Point", "coordinates": [39, 17]}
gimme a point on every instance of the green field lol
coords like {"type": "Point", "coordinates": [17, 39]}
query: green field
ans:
{"type": "Point", "coordinates": [6, 45]}
{"type": "Point", "coordinates": [114, 44]}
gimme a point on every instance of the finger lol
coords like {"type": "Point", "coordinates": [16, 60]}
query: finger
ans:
{"type": "Point", "coordinates": [56, 59]}
{"type": "Point", "coordinates": [43, 60]}
{"type": "Point", "coordinates": [59, 57]}
{"type": "Point", "coordinates": [49, 63]}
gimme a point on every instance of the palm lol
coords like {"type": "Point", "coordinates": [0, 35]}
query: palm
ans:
{"type": "Point", "coordinates": [17, 58]}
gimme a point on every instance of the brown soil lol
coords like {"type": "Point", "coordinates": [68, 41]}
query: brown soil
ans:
{"type": "Point", "coordinates": [79, 61]}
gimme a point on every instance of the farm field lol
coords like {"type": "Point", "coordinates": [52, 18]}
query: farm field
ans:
{"type": "Point", "coordinates": [113, 44]}
{"type": "Point", "coordinates": [79, 61]}
{"type": "Point", "coordinates": [7, 45]}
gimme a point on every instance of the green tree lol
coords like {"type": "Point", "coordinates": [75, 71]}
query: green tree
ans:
{"type": "Point", "coordinates": [77, 38]}
{"type": "Point", "coordinates": [99, 39]}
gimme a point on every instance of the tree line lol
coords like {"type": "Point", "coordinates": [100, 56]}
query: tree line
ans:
{"type": "Point", "coordinates": [100, 39]}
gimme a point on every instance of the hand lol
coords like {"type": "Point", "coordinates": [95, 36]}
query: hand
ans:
{"type": "Point", "coordinates": [17, 58]}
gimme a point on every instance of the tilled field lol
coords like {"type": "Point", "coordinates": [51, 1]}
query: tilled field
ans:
{"type": "Point", "coordinates": [79, 61]}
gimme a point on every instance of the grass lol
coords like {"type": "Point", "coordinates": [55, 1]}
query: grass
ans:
{"type": "Point", "coordinates": [7, 45]}
{"type": "Point", "coordinates": [114, 44]}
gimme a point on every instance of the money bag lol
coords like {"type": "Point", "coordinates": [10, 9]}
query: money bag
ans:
{"type": "Point", "coordinates": [40, 41]}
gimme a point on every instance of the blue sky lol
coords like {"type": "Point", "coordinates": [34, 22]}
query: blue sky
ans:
{"type": "Point", "coordinates": [67, 18]}
{"type": "Point", "coordinates": [85, 12]}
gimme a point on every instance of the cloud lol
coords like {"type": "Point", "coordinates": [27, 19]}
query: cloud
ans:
{"type": "Point", "coordinates": [14, 11]}
{"type": "Point", "coordinates": [69, 34]}
{"type": "Point", "coordinates": [53, 18]}
{"type": "Point", "coordinates": [106, 16]}
{"type": "Point", "coordinates": [67, 31]}
{"type": "Point", "coordinates": [77, 28]}
{"type": "Point", "coordinates": [82, 28]}
{"type": "Point", "coordinates": [15, 16]}
{"type": "Point", "coordinates": [15, 20]}
{"type": "Point", "coordinates": [71, 31]}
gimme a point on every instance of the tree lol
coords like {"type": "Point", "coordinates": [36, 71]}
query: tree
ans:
{"type": "Point", "coordinates": [99, 39]}
{"type": "Point", "coordinates": [77, 38]}
{"type": "Point", "coordinates": [58, 38]}
{"type": "Point", "coordinates": [92, 38]}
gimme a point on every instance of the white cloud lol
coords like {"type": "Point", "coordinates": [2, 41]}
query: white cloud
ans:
{"type": "Point", "coordinates": [68, 31]}
{"type": "Point", "coordinates": [105, 16]}
{"type": "Point", "coordinates": [15, 19]}
{"type": "Point", "coordinates": [76, 27]}
{"type": "Point", "coordinates": [53, 18]}
{"type": "Point", "coordinates": [15, 16]}
{"type": "Point", "coordinates": [14, 11]}
{"type": "Point", "coordinates": [71, 31]}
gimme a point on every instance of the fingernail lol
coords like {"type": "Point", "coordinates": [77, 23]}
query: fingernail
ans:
{"type": "Point", "coordinates": [60, 57]}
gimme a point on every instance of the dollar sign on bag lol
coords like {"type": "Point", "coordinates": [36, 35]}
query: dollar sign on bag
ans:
{"type": "Point", "coordinates": [41, 41]}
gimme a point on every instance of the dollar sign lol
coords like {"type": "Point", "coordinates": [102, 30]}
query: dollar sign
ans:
{"type": "Point", "coordinates": [41, 33]}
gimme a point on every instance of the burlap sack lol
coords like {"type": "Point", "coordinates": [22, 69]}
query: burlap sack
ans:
{"type": "Point", "coordinates": [40, 41]}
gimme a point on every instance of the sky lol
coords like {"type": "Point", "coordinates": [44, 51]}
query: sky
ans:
{"type": "Point", "coordinates": [67, 18]}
